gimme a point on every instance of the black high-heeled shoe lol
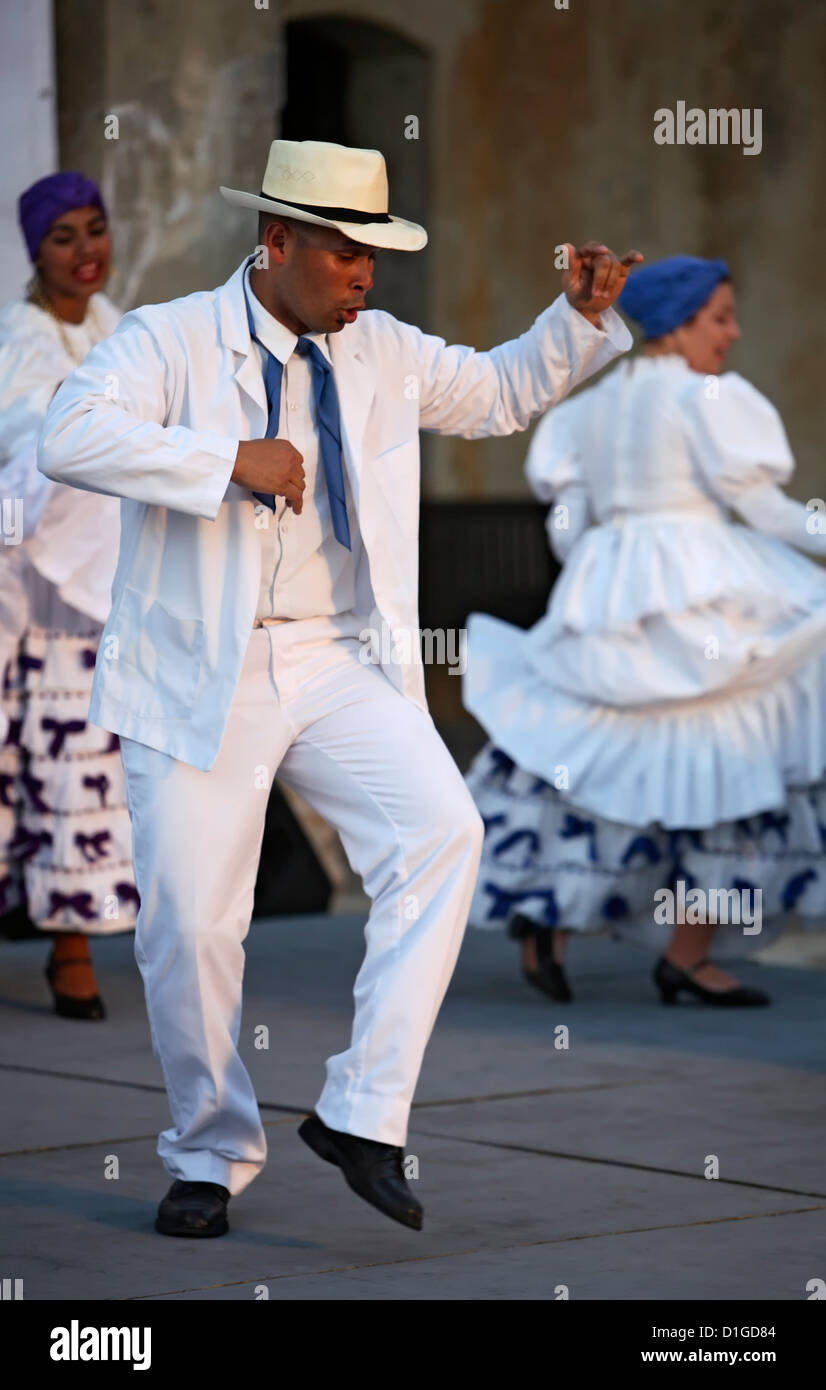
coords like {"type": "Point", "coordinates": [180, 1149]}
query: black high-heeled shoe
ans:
{"type": "Point", "coordinates": [67, 1005]}
{"type": "Point", "coordinates": [670, 979]}
{"type": "Point", "coordinates": [549, 977]}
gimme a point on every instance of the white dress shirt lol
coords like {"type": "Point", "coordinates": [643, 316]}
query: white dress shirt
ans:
{"type": "Point", "coordinates": [305, 571]}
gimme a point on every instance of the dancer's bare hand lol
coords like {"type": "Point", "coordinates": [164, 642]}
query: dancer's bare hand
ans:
{"type": "Point", "coordinates": [595, 277]}
{"type": "Point", "coordinates": [271, 466]}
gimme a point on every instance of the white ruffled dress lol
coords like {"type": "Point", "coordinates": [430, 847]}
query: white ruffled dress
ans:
{"type": "Point", "coordinates": [666, 719]}
{"type": "Point", "coordinates": [65, 835]}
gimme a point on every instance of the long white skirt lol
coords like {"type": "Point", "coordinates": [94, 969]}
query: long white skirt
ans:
{"type": "Point", "coordinates": [663, 725]}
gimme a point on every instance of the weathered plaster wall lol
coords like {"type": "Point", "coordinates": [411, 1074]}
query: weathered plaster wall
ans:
{"type": "Point", "coordinates": [196, 88]}
{"type": "Point", "coordinates": [540, 129]}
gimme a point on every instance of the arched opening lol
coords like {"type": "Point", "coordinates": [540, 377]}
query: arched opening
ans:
{"type": "Point", "coordinates": [357, 83]}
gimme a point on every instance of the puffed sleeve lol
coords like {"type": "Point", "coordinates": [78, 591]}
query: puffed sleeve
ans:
{"type": "Point", "coordinates": [552, 468]}
{"type": "Point", "coordinates": [740, 448]}
{"type": "Point", "coordinates": [28, 380]}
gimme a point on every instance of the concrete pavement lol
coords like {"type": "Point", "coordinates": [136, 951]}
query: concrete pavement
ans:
{"type": "Point", "coordinates": [542, 1168]}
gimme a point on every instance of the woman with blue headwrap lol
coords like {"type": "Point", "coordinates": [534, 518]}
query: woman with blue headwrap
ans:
{"type": "Point", "coordinates": [65, 839]}
{"type": "Point", "coordinates": [657, 755]}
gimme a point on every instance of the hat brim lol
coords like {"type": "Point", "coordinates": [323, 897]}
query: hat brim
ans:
{"type": "Point", "coordinates": [396, 235]}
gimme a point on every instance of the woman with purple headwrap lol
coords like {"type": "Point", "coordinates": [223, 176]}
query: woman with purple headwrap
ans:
{"type": "Point", "coordinates": [657, 757]}
{"type": "Point", "coordinates": [65, 841]}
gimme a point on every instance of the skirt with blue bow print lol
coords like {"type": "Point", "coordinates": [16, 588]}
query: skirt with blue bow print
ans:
{"type": "Point", "coordinates": [547, 860]}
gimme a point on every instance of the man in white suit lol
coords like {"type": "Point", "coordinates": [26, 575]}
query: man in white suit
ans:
{"type": "Point", "coordinates": [252, 569]}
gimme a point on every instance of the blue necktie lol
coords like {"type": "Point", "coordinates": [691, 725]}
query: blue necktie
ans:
{"type": "Point", "coordinates": [329, 428]}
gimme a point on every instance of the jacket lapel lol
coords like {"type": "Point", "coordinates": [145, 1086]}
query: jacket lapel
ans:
{"type": "Point", "coordinates": [234, 332]}
{"type": "Point", "coordinates": [356, 387]}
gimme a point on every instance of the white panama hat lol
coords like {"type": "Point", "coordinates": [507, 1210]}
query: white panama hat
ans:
{"type": "Point", "coordinates": [332, 186]}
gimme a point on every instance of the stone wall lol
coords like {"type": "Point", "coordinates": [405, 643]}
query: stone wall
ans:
{"type": "Point", "coordinates": [539, 128]}
{"type": "Point", "coordinates": [196, 89]}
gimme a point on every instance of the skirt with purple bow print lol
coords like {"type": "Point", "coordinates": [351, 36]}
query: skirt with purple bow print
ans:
{"type": "Point", "coordinates": [65, 836]}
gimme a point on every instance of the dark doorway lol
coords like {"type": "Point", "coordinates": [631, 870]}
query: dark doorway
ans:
{"type": "Point", "coordinates": [359, 84]}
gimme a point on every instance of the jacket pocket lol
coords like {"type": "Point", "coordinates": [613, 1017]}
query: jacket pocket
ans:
{"type": "Point", "coordinates": [154, 662]}
{"type": "Point", "coordinates": [410, 441]}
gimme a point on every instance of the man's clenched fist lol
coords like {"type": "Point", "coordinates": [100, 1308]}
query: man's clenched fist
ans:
{"type": "Point", "coordinates": [271, 466]}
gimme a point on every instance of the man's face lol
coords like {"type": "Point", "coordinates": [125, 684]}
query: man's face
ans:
{"type": "Point", "coordinates": [321, 277]}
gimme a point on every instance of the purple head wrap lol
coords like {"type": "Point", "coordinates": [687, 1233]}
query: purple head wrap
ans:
{"type": "Point", "coordinates": [667, 293]}
{"type": "Point", "coordinates": [48, 198]}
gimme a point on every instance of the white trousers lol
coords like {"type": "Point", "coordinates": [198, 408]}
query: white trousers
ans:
{"type": "Point", "coordinates": [372, 764]}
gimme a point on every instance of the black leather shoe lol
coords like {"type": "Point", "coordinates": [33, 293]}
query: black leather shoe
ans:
{"type": "Point", "coordinates": [373, 1170]}
{"type": "Point", "coordinates": [670, 979]}
{"type": "Point", "coordinates": [549, 976]}
{"type": "Point", "coordinates": [193, 1209]}
{"type": "Point", "coordinates": [68, 1005]}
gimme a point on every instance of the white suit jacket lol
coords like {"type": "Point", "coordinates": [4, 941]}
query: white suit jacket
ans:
{"type": "Point", "coordinates": [154, 415]}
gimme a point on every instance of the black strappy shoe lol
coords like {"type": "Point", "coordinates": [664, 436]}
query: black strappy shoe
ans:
{"type": "Point", "coordinates": [67, 1005]}
{"type": "Point", "coordinates": [670, 979]}
{"type": "Point", "coordinates": [549, 976]}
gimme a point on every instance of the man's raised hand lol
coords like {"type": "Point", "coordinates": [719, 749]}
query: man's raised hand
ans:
{"type": "Point", "coordinates": [595, 277]}
{"type": "Point", "coordinates": [271, 466]}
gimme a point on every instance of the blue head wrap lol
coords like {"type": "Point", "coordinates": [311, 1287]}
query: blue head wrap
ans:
{"type": "Point", "coordinates": [48, 198]}
{"type": "Point", "coordinates": [664, 295]}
